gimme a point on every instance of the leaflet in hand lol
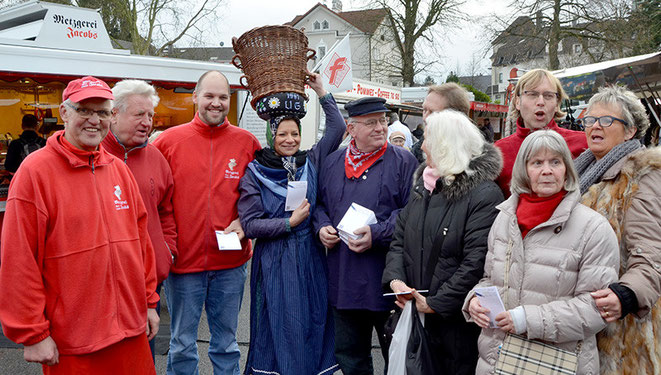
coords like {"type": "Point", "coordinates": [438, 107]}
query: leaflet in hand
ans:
{"type": "Point", "coordinates": [490, 298]}
{"type": "Point", "coordinates": [356, 217]}
{"type": "Point", "coordinates": [228, 241]}
{"type": "Point", "coordinates": [296, 191]}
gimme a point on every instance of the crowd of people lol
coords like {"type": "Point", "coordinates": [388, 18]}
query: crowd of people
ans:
{"type": "Point", "coordinates": [561, 223]}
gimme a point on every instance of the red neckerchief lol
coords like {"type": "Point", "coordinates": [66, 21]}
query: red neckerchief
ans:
{"type": "Point", "coordinates": [356, 161]}
{"type": "Point", "coordinates": [534, 210]}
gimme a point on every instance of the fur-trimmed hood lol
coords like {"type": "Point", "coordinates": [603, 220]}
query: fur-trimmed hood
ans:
{"type": "Point", "coordinates": [485, 167]}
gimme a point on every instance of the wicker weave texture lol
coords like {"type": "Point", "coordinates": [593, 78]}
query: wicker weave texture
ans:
{"type": "Point", "coordinates": [273, 59]}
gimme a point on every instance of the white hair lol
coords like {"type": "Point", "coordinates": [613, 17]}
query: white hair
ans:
{"type": "Point", "coordinates": [124, 89]}
{"type": "Point", "coordinates": [452, 141]}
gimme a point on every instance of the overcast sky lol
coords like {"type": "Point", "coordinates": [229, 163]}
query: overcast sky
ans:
{"type": "Point", "coordinates": [467, 39]}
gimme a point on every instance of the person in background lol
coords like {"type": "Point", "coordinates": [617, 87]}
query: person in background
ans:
{"type": "Point", "coordinates": [291, 324]}
{"type": "Point", "coordinates": [535, 105]}
{"type": "Point", "coordinates": [398, 126]}
{"type": "Point", "coordinates": [376, 176]}
{"type": "Point", "coordinates": [397, 139]}
{"type": "Point", "coordinates": [439, 97]}
{"type": "Point", "coordinates": [547, 253]}
{"type": "Point", "coordinates": [128, 139]}
{"type": "Point", "coordinates": [77, 270]}
{"type": "Point", "coordinates": [621, 179]}
{"type": "Point", "coordinates": [440, 240]}
{"type": "Point", "coordinates": [28, 142]}
{"type": "Point", "coordinates": [486, 130]}
{"type": "Point", "coordinates": [207, 156]}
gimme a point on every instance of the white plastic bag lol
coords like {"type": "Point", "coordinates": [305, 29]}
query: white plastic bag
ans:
{"type": "Point", "coordinates": [400, 339]}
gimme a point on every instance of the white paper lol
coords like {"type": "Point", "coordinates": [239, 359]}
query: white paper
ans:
{"type": "Point", "coordinates": [356, 217]}
{"type": "Point", "coordinates": [402, 293]}
{"type": "Point", "coordinates": [296, 191]}
{"type": "Point", "coordinates": [490, 298]}
{"type": "Point", "coordinates": [229, 241]}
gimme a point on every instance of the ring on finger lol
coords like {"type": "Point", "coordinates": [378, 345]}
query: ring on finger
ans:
{"type": "Point", "coordinates": [608, 313]}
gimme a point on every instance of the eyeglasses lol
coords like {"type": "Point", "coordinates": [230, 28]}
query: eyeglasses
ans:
{"type": "Point", "coordinates": [604, 121]}
{"type": "Point", "coordinates": [83, 112]}
{"type": "Point", "coordinates": [547, 95]}
{"type": "Point", "coordinates": [372, 123]}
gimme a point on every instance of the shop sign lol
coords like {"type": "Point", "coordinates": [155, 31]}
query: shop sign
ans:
{"type": "Point", "coordinates": [361, 89]}
{"type": "Point", "coordinates": [75, 29]}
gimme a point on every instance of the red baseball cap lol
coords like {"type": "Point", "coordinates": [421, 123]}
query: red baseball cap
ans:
{"type": "Point", "coordinates": [85, 88]}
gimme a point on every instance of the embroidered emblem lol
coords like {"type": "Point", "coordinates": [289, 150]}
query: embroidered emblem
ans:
{"type": "Point", "coordinates": [119, 203]}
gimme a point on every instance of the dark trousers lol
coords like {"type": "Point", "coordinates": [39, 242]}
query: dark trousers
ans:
{"type": "Point", "coordinates": [353, 339]}
{"type": "Point", "coordinates": [152, 342]}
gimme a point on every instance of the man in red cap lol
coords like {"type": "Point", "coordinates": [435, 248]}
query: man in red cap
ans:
{"type": "Point", "coordinates": [77, 270]}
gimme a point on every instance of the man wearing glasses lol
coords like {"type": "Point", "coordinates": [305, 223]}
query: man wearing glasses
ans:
{"type": "Point", "coordinates": [377, 176]}
{"type": "Point", "coordinates": [535, 105]}
{"type": "Point", "coordinates": [77, 271]}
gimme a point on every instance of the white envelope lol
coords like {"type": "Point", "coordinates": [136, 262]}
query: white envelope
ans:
{"type": "Point", "coordinates": [296, 191]}
{"type": "Point", "coordinates": [356, 217]}
{"type": "Point", "coordinates": [229, 241]}
{"type": "Point", "coordinates": [490, 299]}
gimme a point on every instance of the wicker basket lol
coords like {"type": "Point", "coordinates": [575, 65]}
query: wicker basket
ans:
{"type": "Point", "coordinates": [273, 59]}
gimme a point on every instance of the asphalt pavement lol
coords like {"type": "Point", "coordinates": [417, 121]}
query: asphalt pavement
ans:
{"type": "Point", "coordinates": [12, 363]}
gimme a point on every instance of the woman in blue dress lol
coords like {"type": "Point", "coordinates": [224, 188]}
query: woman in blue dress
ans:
{"type": "Point", "coordinates": [291, 327]}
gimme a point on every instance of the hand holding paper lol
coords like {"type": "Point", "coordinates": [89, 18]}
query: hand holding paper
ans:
{"type": "Point", "coordinates": [296, 192]}
{"type": "Point", "coordinates": [490, 299]}
{"type": "Point", "coordinates": [354, 219]}
{"type": "Point", "coordinates": [228, 241]}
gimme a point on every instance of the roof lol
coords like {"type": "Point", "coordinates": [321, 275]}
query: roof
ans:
{"type": "Point", "coordinates": [367, 20]}
{"type": "Point", "coordinates": [217, 54]}
{"type": "Point", "coordinates": [481, 82]}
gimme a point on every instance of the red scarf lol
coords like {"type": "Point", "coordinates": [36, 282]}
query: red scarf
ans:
{"type": "Point", "coordinates": [534, 210]}
{"type": "Point", "coordinates": [356, 161]}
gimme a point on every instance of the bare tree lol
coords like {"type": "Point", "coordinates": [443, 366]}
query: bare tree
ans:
{"type": "Point", "coordinates": [153, 26]}
{"type": "Point", "coordinates": [601, 27]}
{"type": "Point", "coordinates": [413, 21]}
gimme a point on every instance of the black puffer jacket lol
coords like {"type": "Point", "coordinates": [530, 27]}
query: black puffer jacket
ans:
{"type": "Point", "coordinates": [447, 230]}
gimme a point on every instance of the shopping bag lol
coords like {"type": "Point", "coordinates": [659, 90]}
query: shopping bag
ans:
{"type": "Point", "coordinates": [399, 343]}
{"type": "Point", "coordinates": [420, 359]}
{"type": "Point", "coordinates": [521, 356]}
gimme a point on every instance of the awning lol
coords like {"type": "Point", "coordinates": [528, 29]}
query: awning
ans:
{"type": "Point", "coordinates": [581, 82]}
{"type": "Point", "coordinates": [488, 107]}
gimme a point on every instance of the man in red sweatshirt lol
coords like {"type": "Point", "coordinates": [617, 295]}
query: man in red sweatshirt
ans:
{"type": "Point", "coordinates": [131, 123]}
{"type": "Point", "coordinates": [77, 270]}
{"type": "Point", "coordinates": [535, 105]}
{"type": "Point", "coordinates": [208, 157]}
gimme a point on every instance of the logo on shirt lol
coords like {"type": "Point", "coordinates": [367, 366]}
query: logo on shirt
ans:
{"type": "Point", "coordinates": [231, 173]}
{"type": "Point", "coordinates": [119, 203]}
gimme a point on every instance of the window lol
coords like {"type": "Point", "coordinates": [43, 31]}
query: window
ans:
{"type": "Point", "coordinates": [383, 37]}
{"type": "Point", "coordinates": [324, 25]}
{"type": "Point", "coordinates": [322, 52]}
{"type": "Point", "coordinates": [578, 48]}
{"type": "Point", "coordinates": [316, 25]}
{"type": "Point", "coordinates": [500, 77]}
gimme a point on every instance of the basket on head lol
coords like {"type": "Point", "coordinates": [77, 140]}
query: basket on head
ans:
{"type": "Point", "coordinates": [273, 59]}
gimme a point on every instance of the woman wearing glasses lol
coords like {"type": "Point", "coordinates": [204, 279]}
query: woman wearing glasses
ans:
{"type": "Point", "coordinates": [621, 180]}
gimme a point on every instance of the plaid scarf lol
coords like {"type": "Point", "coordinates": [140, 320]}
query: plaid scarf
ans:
{"type": "Point", "coordinates": [356, 161]}
{"type": "Point", "coordinates": [289, 163]}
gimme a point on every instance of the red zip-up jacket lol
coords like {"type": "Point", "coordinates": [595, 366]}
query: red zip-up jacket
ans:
{"type": "Point", "coordinates": [509, 146]}
{"type": "Point", "coordinates": [154, 178]}
{"type": "Point", "coordinates": [76, 262]}
{"type": "Point", "coordinates": [207, 164]}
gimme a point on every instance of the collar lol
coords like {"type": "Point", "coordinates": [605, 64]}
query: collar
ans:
{"type": "Point", "coordinates": [75, 156]}
{"type": "Point", "coordinates": [523, 132]}
{"type": "Point", "coordinates": [560, 215]}
{"type": "Point", "coordinates": [202, 127]}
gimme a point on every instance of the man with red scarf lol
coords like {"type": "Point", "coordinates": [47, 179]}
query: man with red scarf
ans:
{"type": "Point", "coordinates": [377, 176]}
{"type": "Point", "coordinates": [535, 105]}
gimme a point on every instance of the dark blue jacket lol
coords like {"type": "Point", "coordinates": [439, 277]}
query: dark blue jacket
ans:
{"type": "Point", "coordinates": [355, 279]}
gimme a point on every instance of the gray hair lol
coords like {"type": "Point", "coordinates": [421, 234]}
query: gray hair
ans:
{"type": "Point", "coordinates": [633, 110]}
{"type": "Point", "coordinates": [535, 142]}
{"type": "Point", "coordinates": [452, 141]}
{"type": "Point", "coordinates": [124, 89]}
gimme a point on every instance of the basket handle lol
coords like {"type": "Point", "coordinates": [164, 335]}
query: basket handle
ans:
{"type": "Point", "coordinates": [310, 57]}
{"type": "Point", "coordinates": [236, 61]}
{"type": "Point", "coordinates": [245, 85]}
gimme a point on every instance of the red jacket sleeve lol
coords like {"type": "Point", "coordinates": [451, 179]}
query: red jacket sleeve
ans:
{"type": "Point", "coordinates": [166, 214]}
{"type": "Point", "coordinates": [22, 290]}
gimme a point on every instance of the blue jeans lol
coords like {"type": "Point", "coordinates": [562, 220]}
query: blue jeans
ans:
{"type": "Point", "coordinates": [221, 293]}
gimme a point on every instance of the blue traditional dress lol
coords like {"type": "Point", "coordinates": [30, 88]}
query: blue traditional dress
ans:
{"type": "Point", "coordinates": [291, 326]}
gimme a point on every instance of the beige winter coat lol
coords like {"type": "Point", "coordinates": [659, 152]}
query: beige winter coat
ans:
{"type": "Point", "coordinates": [629, 195]}
{"type": "Point", "coordinates": [552, 272]}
